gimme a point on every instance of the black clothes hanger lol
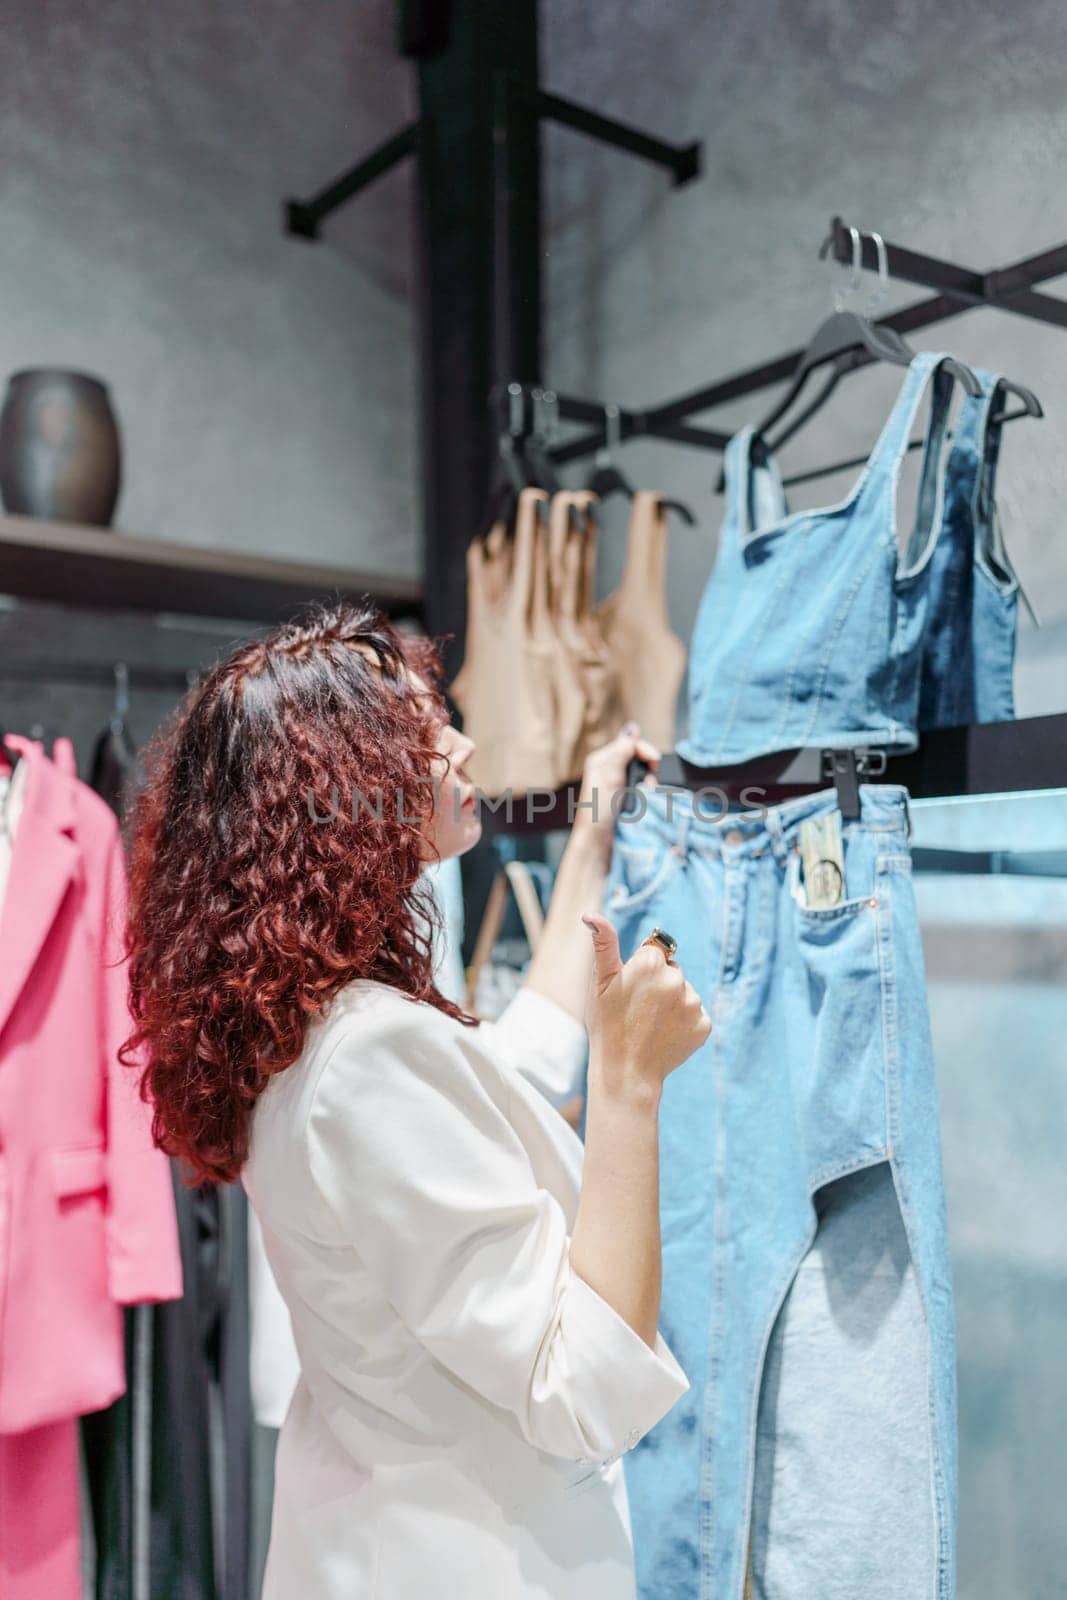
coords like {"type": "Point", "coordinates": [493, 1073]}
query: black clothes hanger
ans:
{"type": "Point", "coordinates": [680, 509]}
{"type": "Point", "coordinates": [537, 445]}
{"type": "Point", "coordinates": [1031, 405]}
{"type": "Point", "coordinates": [524, 444]}
{"type": "Point", "coordinates": [843, 338]}
{"type": "Point", "coordinates": [511, 472]}
{"type": "Point", "coordinates": [115, 754]}
{"type": "Point", "coordinates": [607, 478]}
{"type": "Point", "coordinates": [839, 339]}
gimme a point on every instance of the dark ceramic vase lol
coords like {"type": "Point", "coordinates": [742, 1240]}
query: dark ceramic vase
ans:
{"type": "Point", "coordinates": [59, 447]}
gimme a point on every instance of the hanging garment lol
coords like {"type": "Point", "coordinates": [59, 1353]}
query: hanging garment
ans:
{"type": "Point", "coordinates": [40, 1537]}
{"type": "Point", "coordinates": [12, 795]}
{"type": "Point", "coordinates": [89, 1212]}
{"type": "Point", "coordinates": [969, 644]}
{"type": "Point", "coordinates": [151, 1460]}
{"type": "Point", "coordinates": [86, 1218]}
{"type": "Point", "coordinates": [116, 1449]}
{"type": "Point", "coordinates": [114, 764]}
{"type": "Point", "coordinates": [63, 755]}
{"type": "Point", "coordinates": [197, 1534]}
{"type": "Point", "coordinates": [509, 687]}
{"type": "Point", "coordinates": [852, 1327]}
{"type": "Point", "coordinates": [811, 625]}
{"type": "Point", "coordinates": [649, 657]}
{"type": "Point", "coordinates": [465, 1398]}
{"type": "Point", "coordinates": [819, 1065]}
{"type": "Point", "coordinates": [583, 658]}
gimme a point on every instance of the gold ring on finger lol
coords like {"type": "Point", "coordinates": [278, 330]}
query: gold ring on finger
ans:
{"type": "Point", "coordinates": [664, 941]}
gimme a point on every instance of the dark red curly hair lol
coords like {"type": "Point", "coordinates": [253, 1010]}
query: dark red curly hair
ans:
{"type": "Point", "coordinates": [246, 914]}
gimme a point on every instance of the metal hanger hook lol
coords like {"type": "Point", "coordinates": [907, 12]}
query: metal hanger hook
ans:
{"type": "Point", "coordinates": [121, 708]}
{"type": "Point", "coordinates": [842, 291]}
{"type": "Point", "coordinates": [880, 294]}
{"type": "Point", "coordinates": [612, 429]}
{"type": "Point", "coordinates": [516, 409]}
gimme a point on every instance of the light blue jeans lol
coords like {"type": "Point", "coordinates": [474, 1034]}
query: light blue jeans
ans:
{"type": "Point", "coordinates": [819, 1066]}
{"type": "Point", "coordinates": [843, 1500]}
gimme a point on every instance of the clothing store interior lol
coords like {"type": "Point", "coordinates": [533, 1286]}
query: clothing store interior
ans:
{"type": "Point", "coordinates": [690, 366]}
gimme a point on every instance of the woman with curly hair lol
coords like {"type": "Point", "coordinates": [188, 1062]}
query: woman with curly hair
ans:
{"type": "Point", "coordinates": [474, 1297]}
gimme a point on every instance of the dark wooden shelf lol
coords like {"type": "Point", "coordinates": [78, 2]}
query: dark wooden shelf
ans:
{"type": "Point", "coordinates": [76, 565]}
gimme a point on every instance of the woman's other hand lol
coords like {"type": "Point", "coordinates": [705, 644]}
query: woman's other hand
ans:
{"type": "Point", "coordinates": [604, 777]}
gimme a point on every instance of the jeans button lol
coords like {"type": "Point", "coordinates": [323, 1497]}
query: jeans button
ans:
{"type": "Point", "coordinates": [734, 836]}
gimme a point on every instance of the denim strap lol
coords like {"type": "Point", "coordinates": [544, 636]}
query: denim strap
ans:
{"type": "Point", "coordinates": [755, 496]}
{"type": "Point", "coordinates": [892, 443]}
{"type": "Point", "coordinates": [986, 528]}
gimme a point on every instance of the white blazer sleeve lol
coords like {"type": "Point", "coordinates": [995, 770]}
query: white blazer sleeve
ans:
{"type": "Point", "coordinates": [542, 1041]}
{"type": "Point", "coordinates": [429, 1180]}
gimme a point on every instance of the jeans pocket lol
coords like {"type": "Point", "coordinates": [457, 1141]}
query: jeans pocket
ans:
{"type": "Point", "coordinates": [639, 871]}
{"type": "Point", "coordinates": [858, 870]}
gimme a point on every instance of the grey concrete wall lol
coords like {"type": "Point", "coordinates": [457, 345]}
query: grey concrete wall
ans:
{"type": "Point", "coordinates": [265, 387]}
{"type": "Point", "coordinates": [945, 128]}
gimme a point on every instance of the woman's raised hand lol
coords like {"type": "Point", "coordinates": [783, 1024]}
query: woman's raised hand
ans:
{"type": "Point", "coordinates": [643, 1017]}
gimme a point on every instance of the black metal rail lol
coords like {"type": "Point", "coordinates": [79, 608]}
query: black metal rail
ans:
{"type": "Point", "coordinates": [993, 758]}
{"type": "Point", "coordinates": [959, 289]}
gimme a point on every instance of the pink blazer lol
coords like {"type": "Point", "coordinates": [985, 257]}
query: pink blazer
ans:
{"type": "Point", "coordinates": [87, 1220]}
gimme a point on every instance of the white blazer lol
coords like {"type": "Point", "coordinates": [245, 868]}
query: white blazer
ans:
{"type": "Point", "coordinates": [465, 1398]}
{"type": "Point", "coordinates": [273, 1361]}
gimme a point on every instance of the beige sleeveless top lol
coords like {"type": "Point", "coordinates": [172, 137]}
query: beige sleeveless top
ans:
{"type": "Point", "coordinates": [591, 709]}
{"type": "Point", "coordinates": [647, 656]}
{"type": "Point", "coordinates": [507, 685]}
{"type": "Point", "coordinates": [548, 675]}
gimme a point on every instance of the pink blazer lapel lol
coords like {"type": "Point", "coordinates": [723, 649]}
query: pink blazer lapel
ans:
{"type": "Point", "coordinates": [43, 858]}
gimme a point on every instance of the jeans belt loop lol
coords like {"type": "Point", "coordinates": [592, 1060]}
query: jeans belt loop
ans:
{"type": "Point", "coordinates": [777, 836]}
{"type": "Point", "coordinates": [681, 843]}
{"type": "Point", "coordinates": [907, 815]}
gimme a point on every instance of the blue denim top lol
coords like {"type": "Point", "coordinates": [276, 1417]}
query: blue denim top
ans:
{"type": "Point", "coordinates": [969, 648]}
{"type": "Point", "coordinates": [810, 628]}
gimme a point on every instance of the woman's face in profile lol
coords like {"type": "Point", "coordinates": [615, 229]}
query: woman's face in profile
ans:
{"type": "Point", "coordinates": [454, 826]}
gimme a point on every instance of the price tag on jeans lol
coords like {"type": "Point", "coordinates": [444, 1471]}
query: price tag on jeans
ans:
{"type": "Point", "coordinates": [822, 854]}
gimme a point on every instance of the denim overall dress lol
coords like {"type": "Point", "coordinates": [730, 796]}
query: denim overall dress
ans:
{"type": "Point", "coordinates": [969, 645]}
{"type": "Point", "coordinates": [806, 1275]}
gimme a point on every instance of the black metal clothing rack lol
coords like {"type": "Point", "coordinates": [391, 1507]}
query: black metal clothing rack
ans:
{"type": "Point", "coordinates": [1027, 754]}
{"type": "Point", "coordinates": [481, 105]}
{"type": "Point", "coordinates": [302, 217]}
{"type": "Point", "coordinates": [959, 289]}
{"type": "Point", "coordinates": [997, 758]}
{"type": "Point", "coordinates": [479, 92]}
